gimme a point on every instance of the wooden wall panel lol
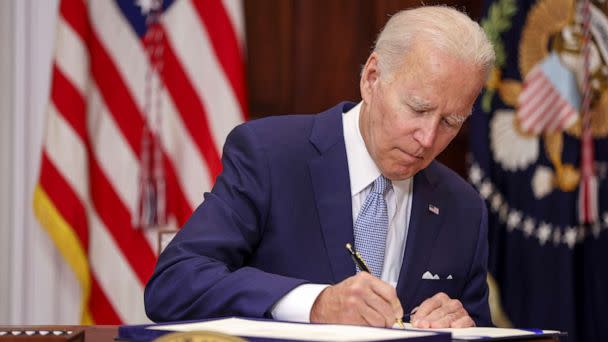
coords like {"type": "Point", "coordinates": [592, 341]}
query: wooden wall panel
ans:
{"type": "Point", "coordinates": [329, 46]}
{"type": "Point", "coordinates": [304, 56]}
{"type": "Point", "coordinates": [269, 34]}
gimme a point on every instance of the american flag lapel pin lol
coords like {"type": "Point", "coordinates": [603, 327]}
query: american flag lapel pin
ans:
{"type": "Point", "coordinates": [433, 209]}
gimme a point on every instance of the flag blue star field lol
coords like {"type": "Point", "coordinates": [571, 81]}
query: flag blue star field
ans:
{"type": "Point", "coordinates": [548, 205]}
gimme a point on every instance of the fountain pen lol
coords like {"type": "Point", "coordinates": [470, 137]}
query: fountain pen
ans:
{"type": "Point", "coordinates": [363, 267]}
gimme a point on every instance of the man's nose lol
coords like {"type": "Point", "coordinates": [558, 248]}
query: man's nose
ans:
{"type": "Point", "coordinates": [427, 132]}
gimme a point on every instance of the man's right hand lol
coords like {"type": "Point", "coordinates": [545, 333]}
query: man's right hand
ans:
{"type": "Point", "coordinates": [361, 299]}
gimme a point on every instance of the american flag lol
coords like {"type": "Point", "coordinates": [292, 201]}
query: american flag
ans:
{"type": "Point", "coordinates": [549, 100]}
{"type": "Point", "coordinates": [139, 89]}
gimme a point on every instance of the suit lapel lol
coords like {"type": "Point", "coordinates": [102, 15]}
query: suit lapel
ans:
{"type": "Point", "coordinates": [424, 227]}
{"type": "Point", "coordinates": [331, 185]}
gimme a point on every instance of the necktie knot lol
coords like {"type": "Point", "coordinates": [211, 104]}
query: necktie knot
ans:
{"type": "Point", "coordinates": [381, 185]}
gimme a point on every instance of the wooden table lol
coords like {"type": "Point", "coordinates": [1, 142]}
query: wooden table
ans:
{"type": "Point", "coordinates": [92, 333]}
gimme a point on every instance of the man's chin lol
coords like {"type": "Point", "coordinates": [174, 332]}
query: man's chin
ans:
{"type": "Point", "coordinates": [401, 173]}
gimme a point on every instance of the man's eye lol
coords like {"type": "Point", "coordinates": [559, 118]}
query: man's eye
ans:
{"type": "Point", "coordinates": [415, 109]}
{"type": "Point", "coordinates": [418, 111]}
{"type": "Point", "coordinates": [450, 122]}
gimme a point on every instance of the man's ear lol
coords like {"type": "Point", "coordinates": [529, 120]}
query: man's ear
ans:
{"type": "Point", "coordinates": [370, 77]}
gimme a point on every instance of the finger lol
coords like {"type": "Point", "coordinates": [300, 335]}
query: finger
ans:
{"type": "Point", "coordinates": [444, 322]}
{"type": "Point", "coordinates": [463, 322]}
{"type": "Point", "coordinates": [439, 321]}
{"type": "Point", "coordinates": [383, 307]}
{"type": "Point", "coordinates": [372, 317]}
{"type": "Point", "coordinates": [388, 295]}
{"type": "Point", "coordinates": [430, 305]}
{"type": "Point", "coordinates": [360, 298]}
{"type": "Point", "coordinates": [444, 316]}
{"type": "Point", "coordinates": [453, 306]}
{"type": "Point", "coordinates": [438, 318]}
{"type": "Point", "coordinates": [442, 297]}
{"type": "Point", "coordinates": [421, 323]}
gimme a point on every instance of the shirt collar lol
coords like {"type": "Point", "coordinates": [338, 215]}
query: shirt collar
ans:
{"type": "Point", "coordinates": [361, 167]}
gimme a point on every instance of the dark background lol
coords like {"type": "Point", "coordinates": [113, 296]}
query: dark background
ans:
{"type": "Point", "coordinates": [305, 56]}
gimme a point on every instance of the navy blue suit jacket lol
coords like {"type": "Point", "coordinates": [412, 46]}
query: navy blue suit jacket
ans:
{"type": "Point", "coordinates": [280, 215]}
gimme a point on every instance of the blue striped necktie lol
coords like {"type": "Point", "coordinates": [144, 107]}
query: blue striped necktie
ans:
{"type": "Point", "coordinates": [371, 226]}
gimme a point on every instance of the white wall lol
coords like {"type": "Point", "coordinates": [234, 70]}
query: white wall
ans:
{"type": "Point", "coordinates": [36, 287]}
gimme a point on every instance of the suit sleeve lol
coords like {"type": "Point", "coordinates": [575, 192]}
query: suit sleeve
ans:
{"type": "Point", "coordinates": [204, 271]}
{"type": "Point", "coordinates": [475, 294]}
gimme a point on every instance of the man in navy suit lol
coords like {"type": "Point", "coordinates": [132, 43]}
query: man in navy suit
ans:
{"type": "Point", "coordinates": [269, 239]}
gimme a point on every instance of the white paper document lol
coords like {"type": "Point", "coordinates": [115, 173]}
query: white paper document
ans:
{"type": "Point", "coordinates": [477, 333]}
{"type": "Point", "coordinates": [295, 331]}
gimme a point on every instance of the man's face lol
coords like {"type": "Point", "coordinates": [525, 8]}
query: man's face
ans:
{"type": "Point", "coordinates": [408, 119]}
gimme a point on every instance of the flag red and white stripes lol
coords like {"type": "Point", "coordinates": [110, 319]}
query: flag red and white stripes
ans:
{"type": "Point", "coordinates": [89, 190]}
{"type": "Point", "coordinates": [542, 108]}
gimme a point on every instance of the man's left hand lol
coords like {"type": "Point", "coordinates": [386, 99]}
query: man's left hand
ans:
{"type": "Point", "coordinates": [441, 311]}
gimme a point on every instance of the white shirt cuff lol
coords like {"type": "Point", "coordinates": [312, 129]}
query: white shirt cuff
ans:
{"type": "Point", "coordinates": [295, 306]}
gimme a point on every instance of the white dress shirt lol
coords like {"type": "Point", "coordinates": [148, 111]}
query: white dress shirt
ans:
{"type": "Point", "coordinates": [296, 305]}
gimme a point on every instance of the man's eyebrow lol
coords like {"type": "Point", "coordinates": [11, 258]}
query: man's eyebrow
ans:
{"type": "Point", "coordinates": [459, 118]}
{"type": "Point", "coordinates": [418, 103]}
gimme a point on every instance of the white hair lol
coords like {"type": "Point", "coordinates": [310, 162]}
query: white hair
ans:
{"type": "Point", "coordinates": [445, 28]}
